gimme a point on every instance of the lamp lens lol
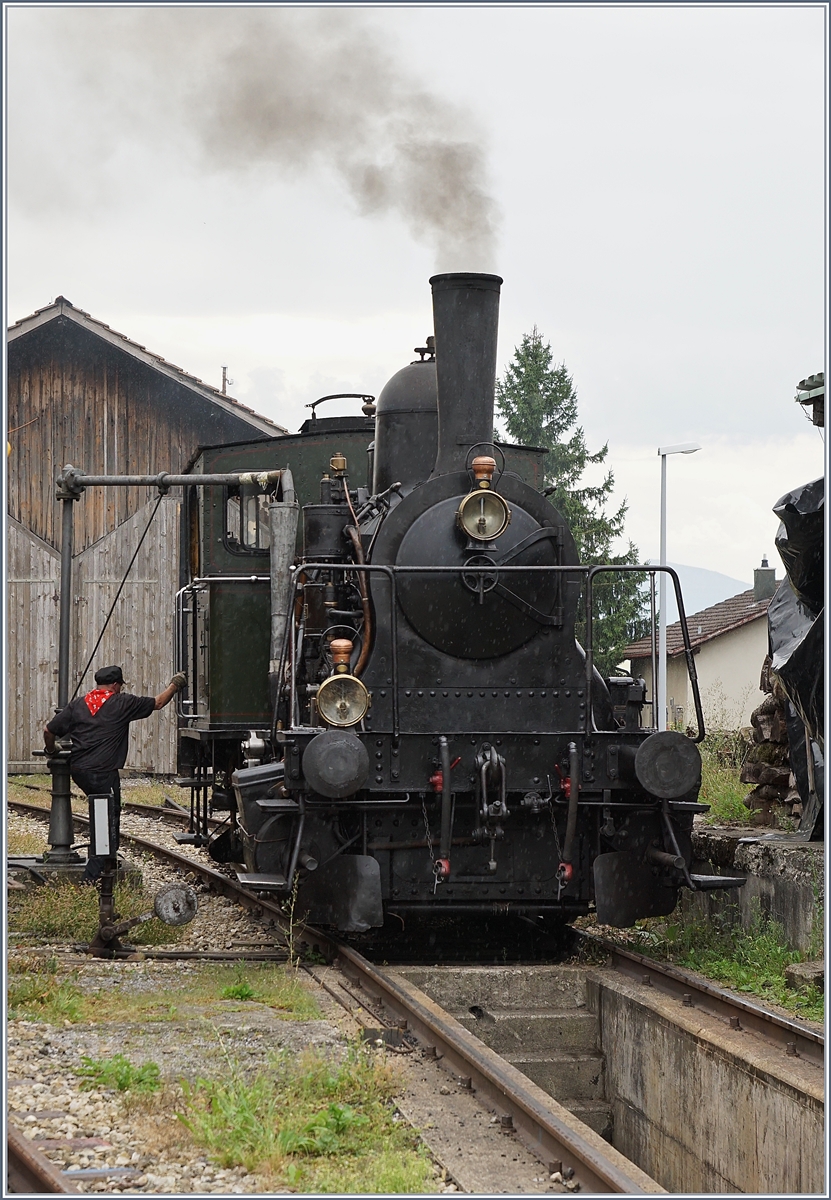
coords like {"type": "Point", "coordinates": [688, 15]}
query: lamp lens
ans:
{"type": "Point", "coordinates": [342, 700]}
{"type": "Point", "coordinates": [484, 515]}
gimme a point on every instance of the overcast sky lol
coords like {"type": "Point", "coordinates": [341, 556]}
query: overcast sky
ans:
{"type": "Point", "coordinates": [271, 188]}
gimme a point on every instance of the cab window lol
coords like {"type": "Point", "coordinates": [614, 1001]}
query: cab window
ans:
{"type": "Point", "coordinates": [246, 519]}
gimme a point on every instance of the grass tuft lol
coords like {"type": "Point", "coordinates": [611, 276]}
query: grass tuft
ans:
{"type": "Point", "coordinates": [311, 1124]}
{"type": "Point", "coordinates": [24, 843]}
{"type": "Point", "coordinates": [66, 910]}
{"type": "Point", "coordinates": [722, 754]}
{"type": "Point", "coordinates": [119, 1073]}
{"type": "Point", "coordinates": [239, 991]}
{"type": "Point", "coordinates": [749, 960]}
{"type": "Point", "coordinates": [269, 984]}
{"type": "Point", "coordinates": [42, 997]}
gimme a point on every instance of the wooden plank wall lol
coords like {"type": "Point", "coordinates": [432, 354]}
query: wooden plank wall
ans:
{"type": "Point", "coordinates": [32, 645]}
{"type": "Point", "coordinates": [139, 637]}
{"type": "Point", "coordinates": [73, 398]}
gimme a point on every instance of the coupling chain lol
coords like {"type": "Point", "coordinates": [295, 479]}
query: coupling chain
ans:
{"type": "Point", "coordinates": [551, 810]}
{"type": "Point", "coordinates": [427, 830]}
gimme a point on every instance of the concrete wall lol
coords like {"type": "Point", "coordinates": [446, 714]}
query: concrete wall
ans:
{"type": "Point", "coordinates": [728, 669]}
{"type": "Point", "coordinates": [785, 882]}
{"type": "Point", "coordinates": [703, 1108]}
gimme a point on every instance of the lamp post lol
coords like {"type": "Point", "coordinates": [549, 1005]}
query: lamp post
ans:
{"type": "Point", "coordinates": [682, 448]}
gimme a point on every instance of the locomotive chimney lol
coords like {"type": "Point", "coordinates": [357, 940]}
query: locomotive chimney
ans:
{"type": "Point", "coordinates": [465, 316]}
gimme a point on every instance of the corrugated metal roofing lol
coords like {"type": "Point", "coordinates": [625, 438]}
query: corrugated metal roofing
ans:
{"type": "Point", "coordinates": [707, 624]}
{"type": "Point", "coordinates": [61, 307]}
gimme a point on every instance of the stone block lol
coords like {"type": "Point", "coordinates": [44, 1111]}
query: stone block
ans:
{"type": "Point", "coordinates": [518, 1032]}
{"type": "Point", "coordinates": [566, 1077]}
{"type": "Point", "coordinates": [459, 988]}
{"type": "Point", "coordinates": [806, 974]}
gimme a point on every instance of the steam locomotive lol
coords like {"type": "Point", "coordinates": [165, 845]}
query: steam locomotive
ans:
{"type": "Point", "coordinates": [386, 695]}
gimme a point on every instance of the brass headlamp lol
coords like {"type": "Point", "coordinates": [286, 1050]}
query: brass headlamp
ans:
{"type": "Point", "coordinates": [483, 514]}
{"type": "Point", "coordinates": [342, 700]}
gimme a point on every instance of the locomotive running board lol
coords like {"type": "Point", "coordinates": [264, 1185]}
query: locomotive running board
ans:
{"type": "Point", "coordinates": [262, 883]}
{"type": "Point", "coordinates": [711, 883]}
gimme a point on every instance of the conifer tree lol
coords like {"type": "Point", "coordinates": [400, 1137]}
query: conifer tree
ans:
{"type": "Point", "coordinates": [537, 402]}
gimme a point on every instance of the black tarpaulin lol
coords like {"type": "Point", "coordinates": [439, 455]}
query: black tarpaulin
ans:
{"type": "Point", "coordinates": [800, 540]}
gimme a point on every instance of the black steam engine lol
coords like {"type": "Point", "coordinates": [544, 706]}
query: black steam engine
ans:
{"type": "Point", "coordinates": [435, 737]}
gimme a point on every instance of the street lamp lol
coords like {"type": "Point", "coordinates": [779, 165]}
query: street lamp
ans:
{"type": "Point", "coordinates": [682, 448]}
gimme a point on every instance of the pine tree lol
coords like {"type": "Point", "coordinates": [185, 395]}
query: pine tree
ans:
{"type": "Point", "coordinates": [538, 404]}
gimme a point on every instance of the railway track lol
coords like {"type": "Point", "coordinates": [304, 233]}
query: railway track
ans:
{"type": "Point", "coordinates": [29, 1172]}
{"type": "Point", "coordinates": [401, 1011]}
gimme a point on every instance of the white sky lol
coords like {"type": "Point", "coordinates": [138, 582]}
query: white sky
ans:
{"type": "Point", "coordinates": [659, 171]}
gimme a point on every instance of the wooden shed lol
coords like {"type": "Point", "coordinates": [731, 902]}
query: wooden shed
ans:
{"type": "Point", "coordinates": [80, 393]}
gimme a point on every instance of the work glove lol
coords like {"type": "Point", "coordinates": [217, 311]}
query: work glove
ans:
{"type": "Point", "coordinates": [178, 681]}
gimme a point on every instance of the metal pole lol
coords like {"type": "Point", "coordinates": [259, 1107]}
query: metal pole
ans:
{"type": "Point", "coordinates": [662, 605]}
{"type": "Point", "coordinates": [65, 630]}
{"type": "Point", "coordinates": [61, 830]}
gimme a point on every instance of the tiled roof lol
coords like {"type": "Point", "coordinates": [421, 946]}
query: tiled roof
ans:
{"type": "Point", "coordinates": [706, 625]}
{"type": "Point", "coordinates": [64, 308]}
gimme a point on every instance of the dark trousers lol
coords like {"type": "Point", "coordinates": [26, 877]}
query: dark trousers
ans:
{"type": "Point", "coordinates": [100, 783]}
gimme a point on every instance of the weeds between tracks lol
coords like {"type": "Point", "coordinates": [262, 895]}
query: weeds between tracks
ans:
{"type": "Point", "coordinates": [751, 960]}
{"type": "Point", "coordinates": [311, 1123]}
{"type": "Point", "coordinates": [70, 912]}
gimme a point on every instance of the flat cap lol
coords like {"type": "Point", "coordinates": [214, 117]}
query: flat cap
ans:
{"type": "Point", "coordinates": [109, 675]}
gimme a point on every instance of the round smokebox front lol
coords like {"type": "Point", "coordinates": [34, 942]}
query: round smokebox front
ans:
{"type": "Point", "coordinates": [336, 764]}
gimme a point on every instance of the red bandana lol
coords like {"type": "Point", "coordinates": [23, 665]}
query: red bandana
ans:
{"type": "Point", "coordinates": [96, 698]}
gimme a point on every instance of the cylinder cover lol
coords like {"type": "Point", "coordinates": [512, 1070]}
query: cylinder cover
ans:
{"type": "Point", "coordinates": [668, 765]}
{"type": "Point", "coordinates": [336, 764]}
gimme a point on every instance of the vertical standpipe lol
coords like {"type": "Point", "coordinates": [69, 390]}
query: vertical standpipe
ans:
{"type": "Point", "coordinates": [282, 517]}
{"type": "Point", "coordinates": [465, 321]}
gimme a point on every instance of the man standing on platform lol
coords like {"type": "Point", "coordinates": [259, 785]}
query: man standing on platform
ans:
{"type": "Point", "coordinates": [99, 726]}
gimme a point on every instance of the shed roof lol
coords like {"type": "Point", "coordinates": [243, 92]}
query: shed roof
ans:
{"type": "Point", "coordinates": [705, 625]}
{"type": "Point", "coordinates": [62, 307]}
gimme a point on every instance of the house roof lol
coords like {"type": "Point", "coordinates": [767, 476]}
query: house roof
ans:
{"type": "Point", "coordinates": [63, 308]}
{"type": "Point", "coordinates": [705, 625]}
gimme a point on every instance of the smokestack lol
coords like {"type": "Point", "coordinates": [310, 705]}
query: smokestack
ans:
{"type": "Point", "coordinates": [466, 317]}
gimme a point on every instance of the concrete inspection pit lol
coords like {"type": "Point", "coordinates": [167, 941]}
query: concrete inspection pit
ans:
{"type": "Point", "coordinates": [698, 1105]}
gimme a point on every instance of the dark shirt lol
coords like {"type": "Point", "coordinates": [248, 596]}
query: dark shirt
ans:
{"type": "Point", "coordinates": [100, 741]}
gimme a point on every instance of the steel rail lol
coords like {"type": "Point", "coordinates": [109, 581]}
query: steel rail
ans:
{"type": "Point", "coordinates": [550, 1131]}
{"type": "Point", "coordinates": [29, 1172]}
{"type": "Point", "coordinates": [160, 811]}
{"type": "Point", "coordinates": [792, 1035]}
